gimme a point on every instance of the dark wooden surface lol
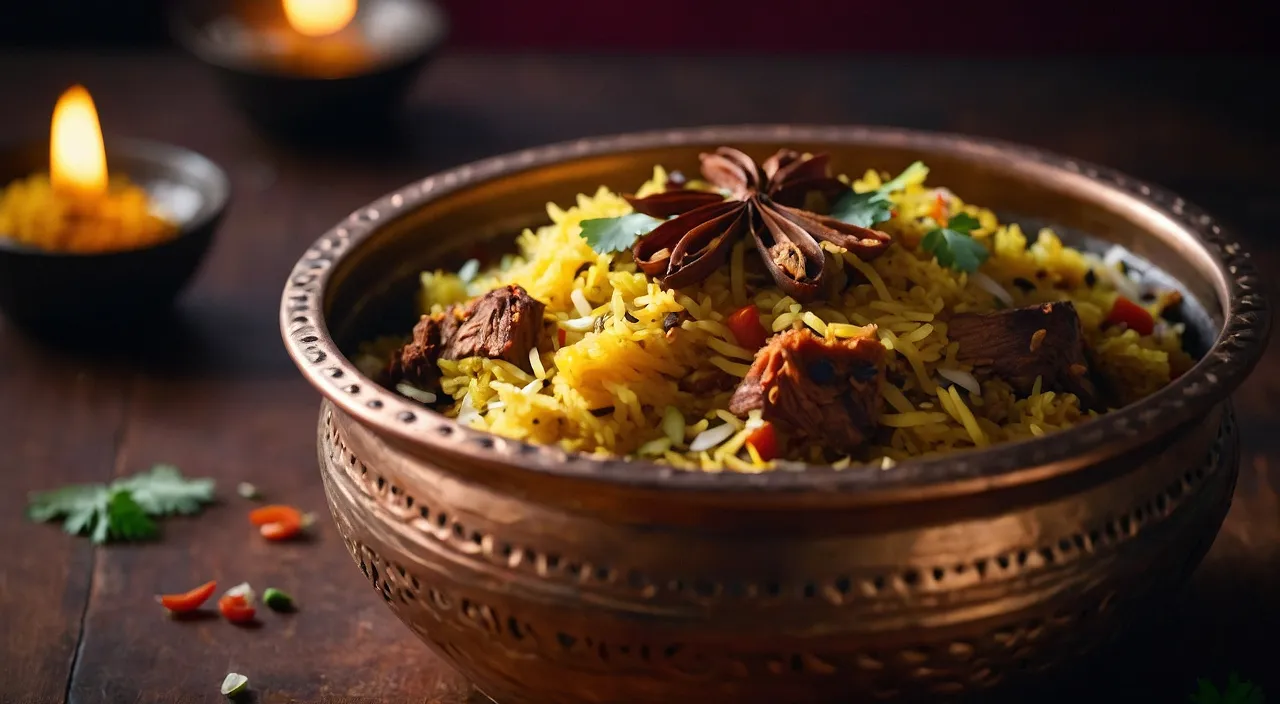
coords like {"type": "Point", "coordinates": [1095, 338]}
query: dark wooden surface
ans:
{"type": "Point", "coordinates": [214, 393]}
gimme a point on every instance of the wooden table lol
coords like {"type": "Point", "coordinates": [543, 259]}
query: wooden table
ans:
{"type": "Point", "coordinates": [216, 395]}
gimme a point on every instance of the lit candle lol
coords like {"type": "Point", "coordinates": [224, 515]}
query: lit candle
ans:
{"type": "Point", "coordinates": [316, 38]}
{"type": "Point", "coordinates": [77, 156]}
{"type": "Point", "coordinates": [314, 68]}
{"type": "Point", "coordinates": [320, 38]}
{"type": "Point", "coordinates": [76, 207]}
{"type": "Point", "coordinates": [319, 18]}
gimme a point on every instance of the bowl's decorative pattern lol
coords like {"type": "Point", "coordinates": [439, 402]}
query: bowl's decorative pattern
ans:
{"type": "Point", "coordinates": [487, 548]}
{"type": "Point", "coordinates": [473, 626]}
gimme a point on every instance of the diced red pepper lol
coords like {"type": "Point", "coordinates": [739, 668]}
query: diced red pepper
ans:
{"type": "Point", "coordinates": [939, 210]}
{"type": "Point", "coordinates": [561, 336]}
{"type": "Point", "coordinates": [277, 521]}
{"type": "Point", "coordinates": [190, 601]}
{"type": "Point", "coordinates": [281, 530]}
{"type": "Point", "coordinates": [1134, 316]}
{"type": "Point", "coordinates": [236, 609]}
{"type": "Point", "coordinates": [272, 514]}
{"type": "Point", "coordinates": [747, 328]}
{"type": "Point", "coordinates": [765, 442]}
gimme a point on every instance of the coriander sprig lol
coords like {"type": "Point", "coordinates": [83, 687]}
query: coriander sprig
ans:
{"type": "Point", "coordinates": [124, 509]}
{"type": "Point", "coordinates": [954, 246]}
{"type": "Point", "coordinates": [874, 207]}
{"type": "Point", "coordinates": [606, 235]}
{"type": "Point", "coordinates": [1237, 692]}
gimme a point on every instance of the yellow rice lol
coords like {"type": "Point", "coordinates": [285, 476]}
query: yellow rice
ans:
{"type": "Point", "coordinates": [613, 386]}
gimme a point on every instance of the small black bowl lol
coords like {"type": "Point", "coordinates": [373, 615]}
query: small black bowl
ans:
{"type": "Point", "coordinates": [44, 291]}
{"type": "Point", "coordinates": [294, 100]}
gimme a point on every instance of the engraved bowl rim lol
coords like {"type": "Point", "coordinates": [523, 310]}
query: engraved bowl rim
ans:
{"type": "Point", "coordinates": [1233, 354]}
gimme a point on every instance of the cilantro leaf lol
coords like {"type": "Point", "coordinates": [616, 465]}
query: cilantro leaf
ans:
{"type": "Point", "coordinates": [83, 507]}
{"type": "Point", "coordinates": [126, 519]}
{"type": "Point", "coordinates": [164, 491]}
{"type": "Point", "coordinates": [863, 209]}
{"type": "Point", "coordinates": [1237, 692]}
{"type": "Point", "coordinates": [897, 183]}
{"type": "Point", "coordinates": [963, 223]}
{"type": "Point", "coordinates": [874, 207]}
{"type": "Point", "coordinates": [955, 248]}
{"type": "Point", "coordinates": [123, 510]}
{"type": "Point", "coordinates": [607, 235]}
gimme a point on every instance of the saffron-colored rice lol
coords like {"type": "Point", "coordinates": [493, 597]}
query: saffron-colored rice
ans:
{"type": "Point", "coordinates": [617, 356]}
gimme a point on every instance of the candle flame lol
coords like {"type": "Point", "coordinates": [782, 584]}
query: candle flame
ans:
{"type": "Point", "coordinates": [77, 157]}
{"type": "Point", "coordinates": [318, 18]}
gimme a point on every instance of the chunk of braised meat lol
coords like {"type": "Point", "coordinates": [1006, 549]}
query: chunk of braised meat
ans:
{"type": "Point", "coordinates": [415, 363]}
{"type": "Point", "coordinates": [1020, 344]}
{"type": "Point", "coordinates": [504, 323]}
{"type": "Point", "coordinates": [823, 391]}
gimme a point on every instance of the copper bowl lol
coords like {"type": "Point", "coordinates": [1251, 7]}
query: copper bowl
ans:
{"type": "Point", "coordinates": [559, 578]}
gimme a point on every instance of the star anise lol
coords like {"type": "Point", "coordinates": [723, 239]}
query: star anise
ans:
{"type": "Point", "coordinates": [765, 201]}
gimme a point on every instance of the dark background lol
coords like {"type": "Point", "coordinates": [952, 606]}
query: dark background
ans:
{"type": "Point", "coordinates": [973, 27]}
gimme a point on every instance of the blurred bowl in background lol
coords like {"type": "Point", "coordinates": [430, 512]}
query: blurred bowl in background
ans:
{"type": "Point", "coordinates": [48, 291]}
{"type": "Point", "coordinates": [294, 86]}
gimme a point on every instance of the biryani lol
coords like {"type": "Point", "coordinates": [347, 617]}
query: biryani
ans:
{"type": "Point", "coordinates": [769, 314]}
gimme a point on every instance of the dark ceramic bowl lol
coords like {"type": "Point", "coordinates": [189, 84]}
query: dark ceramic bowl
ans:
{"type": "Point", "coordinates": [558, 578]}
{"type": "Point", "coordinates": [45, 290]}
{"type": "Point", "coordinates": [290, 100]}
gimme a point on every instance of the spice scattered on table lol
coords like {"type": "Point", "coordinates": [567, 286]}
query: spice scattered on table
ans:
{"type": "Point", "coordinates": [278, 521]}
{"type": "Point", "coordinates": [277, 600]}
{"type": "Point", "coordinates": [234, 684]}
{"type": "Point", "coordinates": [122, 510]}
{"type": "Point", "coordinates": [248, 491]}
{"type": "Point", "coordinates": [236, 605]}
{"type": "Point", "coordinates": [189, 601]}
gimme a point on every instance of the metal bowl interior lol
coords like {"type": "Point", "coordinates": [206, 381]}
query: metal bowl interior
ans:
{"type": "Point", "coordinates": [46, 289]}
{"type": "Point", "coordinates": [357, 281]}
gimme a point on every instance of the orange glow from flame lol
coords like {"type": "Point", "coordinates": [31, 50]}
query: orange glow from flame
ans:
{"type": "Point", "coordinates": [319, 18]}
{"type": "Point", "coordinates": [77, 157]}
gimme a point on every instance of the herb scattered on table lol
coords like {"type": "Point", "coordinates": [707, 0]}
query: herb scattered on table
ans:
{"type": "Point", "coordinates": [124, 509]}
{"type": "Point", "coordinates": [189, 601]}
{"type": "Point", "coordinates": [1236, 692]}
{"type": "Point", "coordinates": [953, 245]}
{"type": "Point", "coordinates": [234, 684]}
{"type": "Point", "coordinates": [874, 207]}
{"type": "Point", "coordinates": [277, 600]}
{"type": "Point", "coordinates": [606, 235]}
